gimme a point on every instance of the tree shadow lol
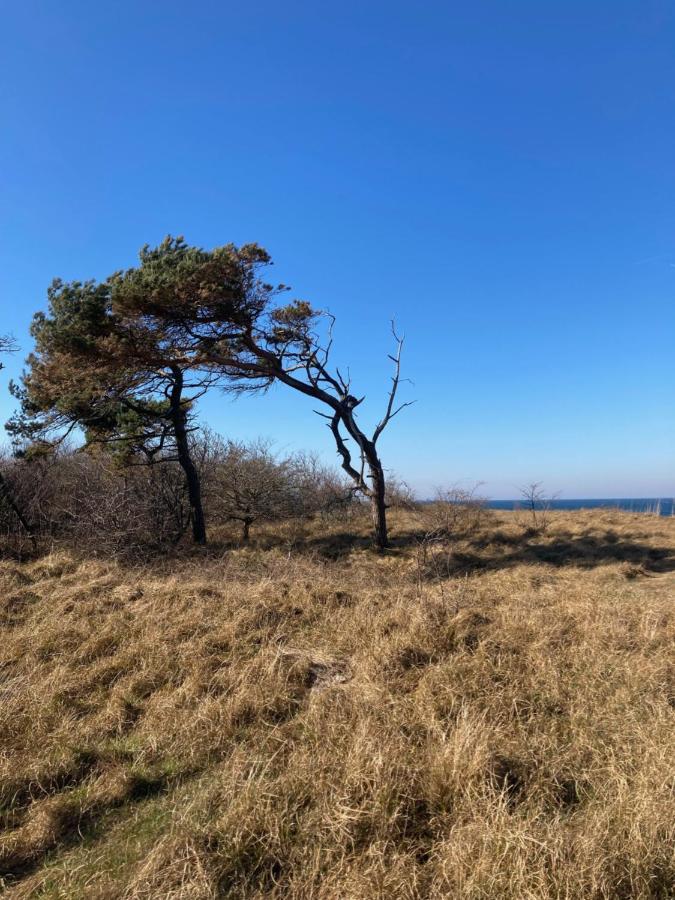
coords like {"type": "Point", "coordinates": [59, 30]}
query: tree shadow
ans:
{"type": "Point", "coordinates": [340, 544]}
{"type": "Point", "coordinates": [465, 553]}
{"type": "Point", "coordinates": [585, 550]}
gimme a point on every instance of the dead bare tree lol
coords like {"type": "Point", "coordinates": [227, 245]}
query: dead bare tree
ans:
{"type": "Point", "coordinates": [287, 348]}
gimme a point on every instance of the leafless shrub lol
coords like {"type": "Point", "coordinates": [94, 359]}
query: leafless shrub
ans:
{"type": "Point", "coordinates": [399, 494]}
{"type": "Point", "coordinates": [139, 510]}
{"type": "Point", "coordinates": [457, 511]}
{"type": "Point", "coordinates": [538, 504]}
{"type": "Point", "coordinates": [321, 490]}
{"type": "Point", "coordinates": [454, 515]}
{"type": "Point", "coordinates": [16, 531]}
{"type": "Point", "coordinates": [87, 500]}
{"type": "Point", "coordinates": [433, 558]}
{"type": "Point", "coordinates": [59, 494]}
{"type": "Point", "coordinates": [249, 483]}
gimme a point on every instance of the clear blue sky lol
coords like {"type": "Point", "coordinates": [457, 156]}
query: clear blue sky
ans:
{"type": "Point", "coordinates": [498, 176]}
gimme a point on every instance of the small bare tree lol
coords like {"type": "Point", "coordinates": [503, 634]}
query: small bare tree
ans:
{"type": "Point", "coordinates": [251, 485]}
{"type": "Point", "coordinates": [399, 493]}
{"type": "Point", "coordinates": [538, 503]}
{"type": "Point", "coordinates": [454, 514]}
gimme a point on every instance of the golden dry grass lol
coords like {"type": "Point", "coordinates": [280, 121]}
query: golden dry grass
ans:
{"type": "Point", "coordinates": [487, 718]}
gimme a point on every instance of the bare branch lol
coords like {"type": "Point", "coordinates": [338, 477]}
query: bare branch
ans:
{"type": "Point", "coordinates": [7, 345]}
{"type": "Point", "coordinates": [390, 412]}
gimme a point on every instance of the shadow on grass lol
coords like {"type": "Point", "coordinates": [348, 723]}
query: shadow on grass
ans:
{"type": "Point", "coordinates": [73, 827]}
{"type": "Point", "coordinates": [465, 553]}
{"type": "Point", "coordinates": [586, 550]}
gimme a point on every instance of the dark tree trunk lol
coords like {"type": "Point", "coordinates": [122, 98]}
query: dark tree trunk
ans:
{"type": "Point", "coordinates": [6, 493]}
{"type": "Point", "coordinates": [245, 530]}
{"type": "Point", "coordinates": [378, 506]}
{"type": "Point", "coordinates": [193, 485]}
{"type": "Point", "coordinates": [178, 418]}
{"type": "Point", "coordinates": [375, 490]}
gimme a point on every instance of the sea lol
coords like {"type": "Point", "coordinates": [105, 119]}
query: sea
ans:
{"type": "Point", "coordinates": [662, 506]}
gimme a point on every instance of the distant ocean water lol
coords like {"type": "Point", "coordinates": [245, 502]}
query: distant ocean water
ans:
{"type": "Point", "coordinates": [662, 506]}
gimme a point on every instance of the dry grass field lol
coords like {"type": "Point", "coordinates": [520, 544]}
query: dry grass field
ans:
{"type": "Point", "coordinates": [490, 716]}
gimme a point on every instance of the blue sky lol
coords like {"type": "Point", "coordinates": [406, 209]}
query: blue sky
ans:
{"type": "Point", "coordinates": [498, 177]}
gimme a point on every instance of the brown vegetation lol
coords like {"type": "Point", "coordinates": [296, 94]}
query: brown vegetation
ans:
{"type": "Point", "coordinates": [488, 714]}
{"type": "Point", "coordinates": [88, 499]}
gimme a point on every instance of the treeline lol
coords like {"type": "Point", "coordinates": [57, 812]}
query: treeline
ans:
{"type": "Point", "coordinates": [124, 362]}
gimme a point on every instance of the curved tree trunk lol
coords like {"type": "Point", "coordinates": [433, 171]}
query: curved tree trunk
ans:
{"type": "Point", "coordinates": [178, 418]}
{"type": "Point", "coordinates": [375, 491]}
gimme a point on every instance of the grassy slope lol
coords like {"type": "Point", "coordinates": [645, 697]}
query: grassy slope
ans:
{"type": "Point", "coordinates": [492, 719]}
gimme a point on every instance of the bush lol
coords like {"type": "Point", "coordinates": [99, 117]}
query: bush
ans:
{"type": "Point", "coordinates": [247, 483]}
{"type": "Point", "coordinates": [85, 498]}
{"type": "Point", "coordinates": [457, 511]}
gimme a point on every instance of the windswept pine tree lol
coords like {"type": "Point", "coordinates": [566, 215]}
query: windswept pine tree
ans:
{"type": "Point", "coordinates": [116, 360]}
